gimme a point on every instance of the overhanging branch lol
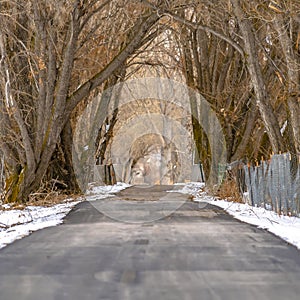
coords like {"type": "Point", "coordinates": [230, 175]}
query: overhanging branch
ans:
{"type": "Point", "coordinates": [140, 30]}
{"type": "Point", "coordinates": [194, 26]}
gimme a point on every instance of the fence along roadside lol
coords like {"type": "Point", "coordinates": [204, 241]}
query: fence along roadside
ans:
{"type": "Point", "coordinates": [275, 184]}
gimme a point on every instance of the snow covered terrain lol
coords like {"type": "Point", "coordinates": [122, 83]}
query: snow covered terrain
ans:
{"type": "Point", "coordinates": [15, 224]}
{"type": "Point", "coordinates": [288, 228]}
{"type": "Point", "coordinates": [102, 192]}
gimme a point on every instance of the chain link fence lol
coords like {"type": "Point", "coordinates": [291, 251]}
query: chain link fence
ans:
{"type": "Point", "coordinates": [274, 184]}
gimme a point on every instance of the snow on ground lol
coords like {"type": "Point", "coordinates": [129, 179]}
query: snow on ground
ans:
{"type": "Point", "coordinates": [191, 188]}
{"type": "Point", "coordinates": [15, 224]}
{"type": "Point", "coordinates": [288, 228]}
{"type": "Point", "coordinates": [102, 192]}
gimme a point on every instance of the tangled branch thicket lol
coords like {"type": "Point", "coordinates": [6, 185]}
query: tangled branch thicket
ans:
{"type": "Point", "coordinates": [242, 56]}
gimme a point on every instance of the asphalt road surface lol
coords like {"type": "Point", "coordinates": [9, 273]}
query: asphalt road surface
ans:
{"type": "Point", "coordinates": [191, 253]}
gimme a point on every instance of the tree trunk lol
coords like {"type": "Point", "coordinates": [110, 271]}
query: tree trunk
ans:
{"type": "Point", "coordinates": [293, 75]}
{"type": "Point", "coordinates": [262, 100]}
{"type": "Point", "coordinates": [61, 165]}
{"type": "Point", "coordinates": [202, 151]}
{"type": "Point", "coordinates": [240, 151]}
{"type": "Point", "coordinates": [54, 104]}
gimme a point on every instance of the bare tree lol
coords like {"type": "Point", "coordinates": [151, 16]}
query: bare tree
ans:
{"type": "Point", "coordinates": [262, 97]}
{"type": "Point", "coordinates": [288, 34]}
{"type": "Point", "coordinates": [41, 52]}
{"type": "Point", "coordinates": [243, 57]}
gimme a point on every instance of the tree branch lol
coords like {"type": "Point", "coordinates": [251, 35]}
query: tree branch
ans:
{"type": "Point", "coordinates": [139, 32]}
{"type": "Point", "coordinates": [194, 26]}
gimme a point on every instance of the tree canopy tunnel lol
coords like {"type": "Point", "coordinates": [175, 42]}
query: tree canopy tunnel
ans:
{"type": "Point", "coordinates": [151, 138]}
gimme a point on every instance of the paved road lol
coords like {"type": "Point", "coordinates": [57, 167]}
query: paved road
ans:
{"type": "Point", "coordinates": [192, 254]}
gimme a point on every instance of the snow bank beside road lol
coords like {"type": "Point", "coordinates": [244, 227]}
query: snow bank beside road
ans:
{"type": "Point", "coordinates": [102, 192]}
{"type": "Point", "coordinates": [191, 188]}
{"type": "Point", "coordinates": [15, 224]}
{"type": "Point", "coordinates": [288, 228]}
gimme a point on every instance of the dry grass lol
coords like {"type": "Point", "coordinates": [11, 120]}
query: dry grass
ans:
{"type": "Point", "coordinates": [49, 195]}
{"type": "Point", "coordinates": [229, 191]}
{"type": "Point", "coordinates": [46, 200]}
{"type": "Point", "coordinates": [51, 199]}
